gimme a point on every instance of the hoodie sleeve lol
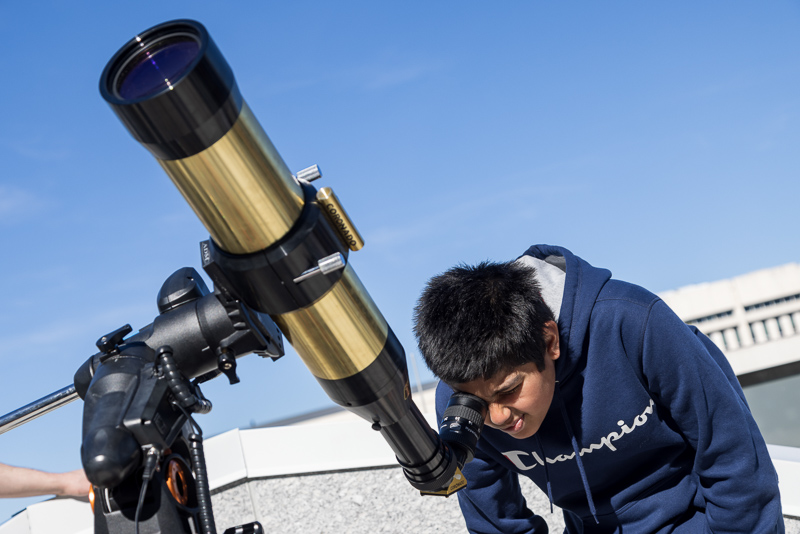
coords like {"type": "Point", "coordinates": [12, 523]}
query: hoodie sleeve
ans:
{"type": "Point", "coordinates": [693, 382]}
{"type": "Point", "coordinates": [492, 502]}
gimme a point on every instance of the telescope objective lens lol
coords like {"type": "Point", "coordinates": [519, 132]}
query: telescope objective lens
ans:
{"type": "Point", "coordinates": [156, 66]}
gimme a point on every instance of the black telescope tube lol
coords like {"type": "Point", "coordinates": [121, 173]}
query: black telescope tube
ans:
{"type": "Point", "coordinates": [176, 94]}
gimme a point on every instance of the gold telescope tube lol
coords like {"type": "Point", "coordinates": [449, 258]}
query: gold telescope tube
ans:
{"type": "Point", "coordinates": [240, 188]}
{"type": "Point", "coordinates": [245, 196]}
{"type": "Point", "coordinates": [272, 236]}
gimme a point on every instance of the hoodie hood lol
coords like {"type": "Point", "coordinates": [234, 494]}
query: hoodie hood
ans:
{"type": "Point", "coordinates": [581, 286]}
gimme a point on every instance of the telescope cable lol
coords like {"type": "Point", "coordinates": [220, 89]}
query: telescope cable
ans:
{"type": "Point", "coordinates": [179, 386]}
{"type": "Point", "coordinates": [150, 465]}
{"type": "Point", "coordinates": [187, 401]}
{"type": "Point", "coordinates": [207, 525]}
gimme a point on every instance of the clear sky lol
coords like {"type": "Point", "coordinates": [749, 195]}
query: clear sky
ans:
{"type": "Point", "coordinates": [659, 140]}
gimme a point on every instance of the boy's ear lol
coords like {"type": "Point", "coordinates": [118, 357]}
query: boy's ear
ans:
{"type": "Point", "coordinates": [551, 340]}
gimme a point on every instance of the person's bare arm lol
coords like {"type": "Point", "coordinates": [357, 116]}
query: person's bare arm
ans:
{"type": "Point", "coordinates": [25, 482]}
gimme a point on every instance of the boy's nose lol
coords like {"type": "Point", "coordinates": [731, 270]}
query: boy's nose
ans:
{"type": "Point", "coordinates": [498, 415]}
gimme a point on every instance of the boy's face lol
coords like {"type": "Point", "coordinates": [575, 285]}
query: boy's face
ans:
{"type": "Point", "coordinates": [520, 397]}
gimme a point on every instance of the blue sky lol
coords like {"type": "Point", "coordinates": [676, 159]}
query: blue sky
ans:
{"type": "Point", "coordinates": [659, 140]}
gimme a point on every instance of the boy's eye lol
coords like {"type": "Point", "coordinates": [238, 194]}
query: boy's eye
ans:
{"type": "Point", "coordinates": [510, 391]}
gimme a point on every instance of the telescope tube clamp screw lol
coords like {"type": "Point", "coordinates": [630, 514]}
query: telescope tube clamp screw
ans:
{"type": "Point", "coordinates": [326, 265]}
{"type": "Point", "coordinates": [309, 174]}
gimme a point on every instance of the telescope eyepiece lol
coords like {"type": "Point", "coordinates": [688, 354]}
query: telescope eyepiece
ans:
{"type": "Point", "coordinates": [459, 431]}
{"type": "Point", "coordinates": [462, 423]}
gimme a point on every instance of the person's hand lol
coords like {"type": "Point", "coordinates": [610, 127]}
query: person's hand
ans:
{"type": "Point", "coordinates": [73, 484]}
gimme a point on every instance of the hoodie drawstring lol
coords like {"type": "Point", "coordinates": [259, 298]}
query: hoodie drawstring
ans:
{"type": "Point", "coordinates": [578, 460]}
{"type": "Point", "coordinates": [546, 473]}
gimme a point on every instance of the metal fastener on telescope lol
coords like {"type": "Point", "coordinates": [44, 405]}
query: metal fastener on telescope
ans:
{"type": "Point", "coordinates": [309, 174]}
{"type": "Point", "coordinates": [108, 343]}
{"type": "Point", "coordinates": [326, 265]}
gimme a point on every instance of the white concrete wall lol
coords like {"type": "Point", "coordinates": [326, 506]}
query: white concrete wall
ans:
{"type": "Point", "coordinates": [753, 318]}
{"type": "Point", "coordinates": [334, 478]}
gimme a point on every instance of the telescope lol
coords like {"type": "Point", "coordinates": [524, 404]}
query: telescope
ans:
{"type": "Point", "coordinates": [278, 256]}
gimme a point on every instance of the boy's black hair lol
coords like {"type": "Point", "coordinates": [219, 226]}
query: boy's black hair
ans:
{"type": "Point", "coordinates": [472, 322]}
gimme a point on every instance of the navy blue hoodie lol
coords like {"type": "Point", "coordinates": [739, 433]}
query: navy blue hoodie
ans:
{"type": "Point", "coordinates": [665, 438]}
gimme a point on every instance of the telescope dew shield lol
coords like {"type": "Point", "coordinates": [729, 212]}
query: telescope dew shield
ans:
{"type": "Point", "coordinates": [175, 93]}
{"type": "Point", "coordinates": [177, 96]}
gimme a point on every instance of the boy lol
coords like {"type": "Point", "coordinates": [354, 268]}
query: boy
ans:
{"type": "Point", "coordinates": [627, 418]}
